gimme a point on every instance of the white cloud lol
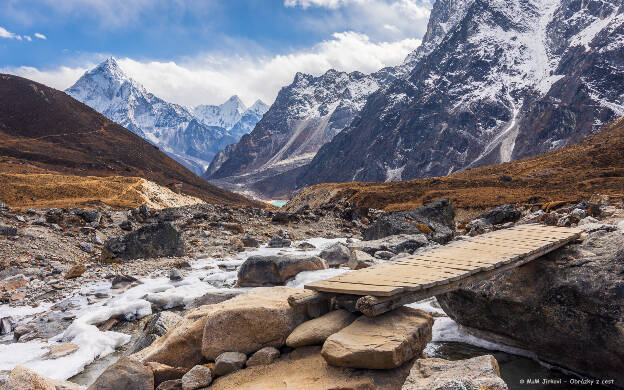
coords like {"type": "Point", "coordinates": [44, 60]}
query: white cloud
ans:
{"type": "Point", "coordinates": [333, 4]}
{"type": "Point", "coordinates": [28, 38]}
{"type": "Point", "coordinates": [59, 78]}
{"type": "Point", "coordinates": [379, 19]}
{"type": "Point", "coordinates": [40, 36]}
{"type": "Point", "coordinates": [4, 33]}
{"type": "Point", "coordinates": [211, 78]}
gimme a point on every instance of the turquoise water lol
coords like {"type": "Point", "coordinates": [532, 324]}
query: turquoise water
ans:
{"type": "Point", "coordinates": [279, 203]}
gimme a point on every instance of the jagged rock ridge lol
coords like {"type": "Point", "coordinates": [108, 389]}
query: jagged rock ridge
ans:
{"type": "Point", "coordinates": [493, 81]}
{"type": "Point", "coordinates": [306, 114]}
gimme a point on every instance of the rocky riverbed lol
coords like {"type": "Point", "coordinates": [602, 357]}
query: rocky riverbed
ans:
{"type": "Point", "coordinates": [82, 288]}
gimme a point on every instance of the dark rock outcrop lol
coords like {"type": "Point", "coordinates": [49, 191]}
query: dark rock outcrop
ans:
{"type": "Point", "coordinates": [436, 219]}
{"type": "Point", "coordinates": [275, 270]}
{"type": "Point", "coordinates": [158, 240]}
{"type": "Point", "coordinates": [567, 307]}
{"type": "Point", "coordinates": [501, 214]}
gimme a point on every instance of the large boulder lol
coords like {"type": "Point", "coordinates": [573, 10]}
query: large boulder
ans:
{"type": "Point", "coordinates": [396, 244]}
{"type": "Point", "coordinates": [478, 373]}
{"type": "Point", "coordinates": [275, 270]}
{"type": "Point", "coordinates": [126, 373]}
{"type": "Point", "coordinates": [501, 214]}
{"type": "Point", "coordinates": [383, 342]}
{"type": "Point", "coordinates": [316, 331]}
{"type": "Point", "coordinates": [336, 255]}
{"type": "Point", "coordinates": [567, 307]}
{"type": "Point", "coordinates": [158, 240]}
{"type": "Point", "coordinates": [245, 323]}
{"type": "Point", "coordinates": [305, 368]}
{"type": "Point", "coordinates": [436, 219]}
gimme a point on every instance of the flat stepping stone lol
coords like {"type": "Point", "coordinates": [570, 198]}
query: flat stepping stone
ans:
{"type": "Point", "coordinates": [383, 342]}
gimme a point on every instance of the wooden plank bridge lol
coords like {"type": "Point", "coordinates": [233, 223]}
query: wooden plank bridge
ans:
{"type": "Point", "coordinates": [386, 286]}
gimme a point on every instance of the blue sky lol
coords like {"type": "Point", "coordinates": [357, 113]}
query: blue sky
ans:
{"type": "Point", "coordinates": [202, 51]}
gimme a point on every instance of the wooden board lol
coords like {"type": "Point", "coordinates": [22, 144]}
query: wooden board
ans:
{"type": "Point", "coordinates": [446, 267]}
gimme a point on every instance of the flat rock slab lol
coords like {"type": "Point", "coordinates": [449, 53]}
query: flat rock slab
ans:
{"type": "Point", "coordinates": [471, 374]}
{"type": "Point", "coordinates": [316, 331]}
{"type": "Point", "coordinates": [383, 342]}
{"type": "Point", "coordinates": [305, 369]}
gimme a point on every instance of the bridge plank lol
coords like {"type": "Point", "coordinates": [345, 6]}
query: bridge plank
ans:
{"type": "Point", "coordinates": [445, 268]}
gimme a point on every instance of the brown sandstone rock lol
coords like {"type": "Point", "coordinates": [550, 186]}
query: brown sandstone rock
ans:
{"type": "Point", "coordinates": [164, 373]}
{"type": "Point", "coordinates": [128, 374]}
{"type": "Point", "coordinates": [196, 378]}
{"type": "Point", "coordinates": [266, 355]}
{"type": "Point", "coordinates": [75, 271]}
{"type": "Point", "coordinates": [316, 331]}
{"type": "Point", "coordinates": [245, 323]}
{"type": "Point", "coordinates": [382, 342]}
{"type": "Point", "coordinates": [471, 374]}
{"type": "Point", "coordinates": [229, 362]}
{"type": "Point", "coordinates": [23, 378]}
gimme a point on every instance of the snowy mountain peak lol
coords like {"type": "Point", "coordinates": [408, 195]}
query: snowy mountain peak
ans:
{"type": "Point", "coordinates": [234, 104]}
{"type": "Point", "coordinates": [259, 107]}
{"type": "Point", "coordinates": [229, 114]}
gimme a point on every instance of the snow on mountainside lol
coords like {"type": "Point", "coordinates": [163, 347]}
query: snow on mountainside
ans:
{"type": "Point", "coordinates": [306, 114]}
{"type": "Point", "coordinates": [232, 115]}
{"type": "Point", "coordinates": [494, 80]}
{"type": "Point", "coordinates": [173, 128]}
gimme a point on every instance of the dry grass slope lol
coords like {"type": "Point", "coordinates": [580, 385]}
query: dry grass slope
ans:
{"type": "Point", "coordinates": [595, 166]}
{"type": "Point", "coordinates": [53, 190]}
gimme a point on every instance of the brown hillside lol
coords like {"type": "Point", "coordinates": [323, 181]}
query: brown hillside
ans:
{"type": "Point", "coordinates": [43, 130]}
{"type": "Point", "coordinates": [595, 166]}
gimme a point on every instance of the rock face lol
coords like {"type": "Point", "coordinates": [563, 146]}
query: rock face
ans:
{"type": "Point", "coordinates": [336, 255]}
{"type": "Point", "coordinates": [567, 307]}
{"type": "Point", "coordinates": [126, 373]}
{"type": "Point", "coordinates": [436, 219]}
{"type": "Point", "coordinates": [316, 331]}
{"type": "Point", "coordinates": [305, 115]}
{"type": "Point", "coordinates": [245, 323]}
{"type": "Point", "coordinates": [306, 369]}
{"type": "Point", "coordinates": [275, 270]}
{"type": "Point", "coordinates": [382, 342]}
{"type": "Point", "coordinates": [471, 374]}
{"type": "Point", "coordinates": [497, 81]}
{"type": "Point", "coordinates": [157, 240]}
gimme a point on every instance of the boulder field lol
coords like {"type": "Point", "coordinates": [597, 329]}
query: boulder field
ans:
{"type": "Point", "coordinates": [235, 344]}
